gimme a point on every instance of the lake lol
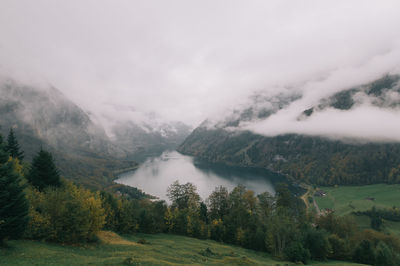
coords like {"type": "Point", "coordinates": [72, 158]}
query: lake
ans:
{"type": "Point", "coordinates": [156, 174]}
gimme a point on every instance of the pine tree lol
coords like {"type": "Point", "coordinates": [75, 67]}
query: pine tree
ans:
{"type": "Point", "coordinates": [43, 172]}
{"type": "Point", "coordinates": [13, 147]}
{"type": "Point", "coordinates": [13, 204]}
{"type": "Point", "coordinates": [3, 153]}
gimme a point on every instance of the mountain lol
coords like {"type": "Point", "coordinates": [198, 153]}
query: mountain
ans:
{"type": "Point", "coordinates": [382, 93]}
{"type": "Point", "coordinates": [140, 134]}
{"type": "Point", "coordinates": [42, 116]}
{"type": "Point", "coordinates": [46, 114]}
{"type": "Point", "coordinates": [313, 159]}
{"type": "Point", "coordinates": [140, 141]}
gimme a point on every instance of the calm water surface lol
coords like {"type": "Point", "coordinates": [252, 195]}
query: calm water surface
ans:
{"type": "Point", "coordinates": [156, 174]}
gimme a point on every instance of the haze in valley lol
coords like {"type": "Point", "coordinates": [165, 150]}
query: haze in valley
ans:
{"type": "Point", "coordinates": [188, 61]}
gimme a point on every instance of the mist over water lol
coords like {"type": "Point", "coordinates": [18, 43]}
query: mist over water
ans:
{"type": "Point", "coordinates": [156, 174]}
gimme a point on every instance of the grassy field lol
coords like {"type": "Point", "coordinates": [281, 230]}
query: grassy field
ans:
{"type": "Point", "coordinates": [346, 199]}
{"type": "Point", "coordinates": [114, 250]}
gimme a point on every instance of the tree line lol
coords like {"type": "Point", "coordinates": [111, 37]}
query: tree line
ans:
{"type": "Point", "coordinates": [36, 203]}
{"type": "Point", "coordinates": [309, 159]}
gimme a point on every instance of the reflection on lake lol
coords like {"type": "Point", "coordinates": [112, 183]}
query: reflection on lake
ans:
{"type": "Point", "coordinates": [156, 174]}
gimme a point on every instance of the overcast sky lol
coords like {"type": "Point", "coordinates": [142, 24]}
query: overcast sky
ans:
{"type": "Point", "coordinates": [189, 60]}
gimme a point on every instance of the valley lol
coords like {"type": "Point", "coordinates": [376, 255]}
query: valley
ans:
{"type": "Point", "coordinates": [200, 132]}
{"type": "Point", "coordinates": [229, 185]}
{"type": "Point", "coordinates": [172, 166]}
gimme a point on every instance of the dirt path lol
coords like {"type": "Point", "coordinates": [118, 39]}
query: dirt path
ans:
{"type": "Point", "coordinates": [316, 207]}
{"type": "Point", "coordinates": [304, 197]}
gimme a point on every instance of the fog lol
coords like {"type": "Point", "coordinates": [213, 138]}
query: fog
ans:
{"type": "Point", "coordinates": [363, 122]}
{"type": "Point", "coordinates": [188, 61]}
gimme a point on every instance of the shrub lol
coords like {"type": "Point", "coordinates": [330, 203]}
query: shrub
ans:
{"type": "Point", "coordinates": [68, 214]}
{"type": "Point", "coordinates": [143, 241]}
{"type": "Point", "coordinates": [295, 252]}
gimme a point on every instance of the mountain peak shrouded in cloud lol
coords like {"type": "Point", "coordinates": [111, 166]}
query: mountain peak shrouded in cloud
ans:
{"type": "Point", "coordinates": [190, 61]}
{"type": "Point", "coordinates": [45, 115]}
{"type": "Point", "coordinates": [345, 134]}
{"type": "Point", "coordinates": [369, 112]}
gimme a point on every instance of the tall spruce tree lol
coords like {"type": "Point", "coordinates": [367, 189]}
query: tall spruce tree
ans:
{"type": "Point", "coordinates": [43, 172]}
{"type": "Point", "coordinates": [13, 147]}
{"type": "Point", "coordinates": [13, 204]}
{"type": "Point", "coordinates": [3, 153]}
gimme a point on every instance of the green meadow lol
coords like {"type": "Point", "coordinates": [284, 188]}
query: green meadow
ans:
{"type": "Point", "coordinates": [160, 249]}
{"type": "Point", "coordinates": [347, 199]}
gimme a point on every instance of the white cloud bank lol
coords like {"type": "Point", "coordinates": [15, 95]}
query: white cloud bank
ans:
{"type": "Point", "coordinates": [364, 122]}
{"type": "Point", "coordinates": [189, 60]}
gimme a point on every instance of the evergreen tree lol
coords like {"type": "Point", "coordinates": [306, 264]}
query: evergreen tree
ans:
{"type": "Point", "coordinates": [296, 252]}
{"type": "Point", "coordinates": [3, 153]}
{"type": "Point", "coordinates": [364, 253]}
{"type": "Point", "coordinates": [43, 172]}
{"type": "Point", "coordinates": [13, 204]}
{"type": "Point", "coordinates": [13, 147]}
{"type": "Point", "coordinates": [203, 212]}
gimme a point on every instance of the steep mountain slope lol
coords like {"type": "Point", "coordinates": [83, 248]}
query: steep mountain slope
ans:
{"type": "Point", "coordinates": [44, 117]}
{"type": "Point", "coordinates": [46, 114]}
{"type": "Point", "coordinates": [312, 159]}
{"type": "Point", "coordinates": [142, 141]}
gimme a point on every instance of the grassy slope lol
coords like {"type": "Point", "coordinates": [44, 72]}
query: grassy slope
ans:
{"type": "Point", "coordinates": [346, 199]}
{"type": "Point", "coordinates": [114, 250]}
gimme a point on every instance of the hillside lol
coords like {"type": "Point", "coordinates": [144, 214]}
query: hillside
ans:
{"type": "Point", "coordinates": [142, 140]}
{"type": "Point", "coordinates": [356, 200]}
{"type": "Point", "coordinates": [160, 250]}
{"type": "Point", "coordinates": [44, 117]}
{"type": "Point", "coordinates": [308, 158]}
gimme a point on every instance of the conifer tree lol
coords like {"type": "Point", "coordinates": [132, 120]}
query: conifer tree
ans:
{"type": "Point", "coordinates": [3, 153]}
{"type": "Point", "coordinates": [13, 147]}
{"type": "Point", "coordinates": [13, 204]}
{"type": "Point", "coordinates": [43, 172]}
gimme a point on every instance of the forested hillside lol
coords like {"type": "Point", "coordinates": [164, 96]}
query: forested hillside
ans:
{"type": "Point", "coordinates": [42, 117]}
{"type": "Point", "coordinates": [313, 159]}
{"type": "Point", "coordinates": [37, 204]}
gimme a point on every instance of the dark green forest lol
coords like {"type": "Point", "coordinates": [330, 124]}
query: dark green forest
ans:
{"type": "Point", "coordinates": [37, 203]}
{"type": "Point", "coordinates": [311, 159]}
{"type": "Point", "coordinates": [314, 160]}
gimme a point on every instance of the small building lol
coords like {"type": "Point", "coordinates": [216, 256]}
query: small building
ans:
{"type": "Point", "coordinates": [320, 193]}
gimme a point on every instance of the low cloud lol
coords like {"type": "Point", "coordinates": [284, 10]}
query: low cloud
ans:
{"type": "Point", "coordinates": [364, 123]}
{"type": "Point", "coordinates": [190, 61]}
{"type": "Point", "coordinates": [370, 119]}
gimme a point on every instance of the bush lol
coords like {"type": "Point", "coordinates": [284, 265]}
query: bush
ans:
{"type": "Point", "coordinates": [385, 255]}
{"type": "Point", "coordinates": [316, 241]}
{"type": "Point", "coordinates": [130, 261]}
{"type": "Point", "coordinates": [340, 248]}
{"type": "Point", "coordinates": [364, 253]}
{"type": "Point", "coordinates": [295, 252]}
{"type": "Point", "coordinates": [68, 214]}
{"type": "Point", "coordinates": [143, 241]}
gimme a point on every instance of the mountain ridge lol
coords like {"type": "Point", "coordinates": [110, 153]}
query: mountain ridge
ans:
{"type": "Point", "coordinates": [42, 116]}
{"type": "Point", "coordinates": [313, 159]}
